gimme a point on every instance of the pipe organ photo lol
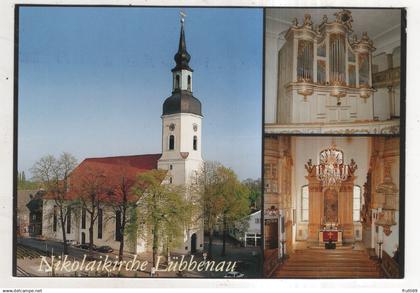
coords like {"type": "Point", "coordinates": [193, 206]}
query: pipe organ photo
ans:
{"type": "Point", "coordinates": [324, 76]}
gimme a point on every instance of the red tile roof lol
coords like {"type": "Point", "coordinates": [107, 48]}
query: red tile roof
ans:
{"type": "Point", "coordinates": [143, 162]}
{"type": "Point", "coordinates": [112, 169]}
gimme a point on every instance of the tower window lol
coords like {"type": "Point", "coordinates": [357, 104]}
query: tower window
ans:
{"type": "Point", "coordinates": [68, 220]}
{"type": "Point", "coordinates": [195, 143]}
{"type": "Point", "coordinates": [171, 142]}
{"type": "Point", "coordinates": [118, 234]}
{"type": "Point", "coordinates": [170, 180]}
{"type": "Point", "coordinates": [170, 167]}
{"type": "Point", "coordinates": [177, 82]}
{"type": "Point", "coordinates": [55, 219]}
{"type": "Point", "coordinates": [189, 82]}
{"type": "Point", "coordinates": [100, 222]}
{"type": "Point", "coordinates": [83, 218]}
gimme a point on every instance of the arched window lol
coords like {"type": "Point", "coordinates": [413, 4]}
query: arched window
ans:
{"type": "Point", "coordinates": [68, 220]}
{"type": "Point", "coordinates": [55, 219]}
{"type": "Point", "coordinates": [189, 82]}
{"type": "Point", "coordinates": [305, 204]}
{"type": "Point", "coordinates": [171, 142]}
{"type": "Point", "coordinates": [356, 203]}
{"type": "Point", "coordinates": [170, 180]}
{"type": "Point", "coordinates": [100, 223]}
{"type": "Point", "coordinates": [118, 234]}
{"type": "Point", "coordinates": [177, 82]}
{"type": "Point", "coordinates": [170, 167]}
{"type": "Point", "coordinates": [195, 143]}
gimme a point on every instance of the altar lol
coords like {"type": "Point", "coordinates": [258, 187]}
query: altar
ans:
{"type": "Point", "coordinates": [327, 235]}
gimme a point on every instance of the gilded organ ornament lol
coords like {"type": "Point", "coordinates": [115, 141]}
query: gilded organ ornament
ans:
{"type": "Point", "coordinates": [329, 58]}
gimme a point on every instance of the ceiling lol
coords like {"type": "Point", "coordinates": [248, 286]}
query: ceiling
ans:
{"type": "Point", "coordinates": [376, 22]}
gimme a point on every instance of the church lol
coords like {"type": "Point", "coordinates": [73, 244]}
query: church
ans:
{"type": "Point", "coordinates": [332, 71]}
{"type": "Point", "coordinates": [331, 206]}
{"type": "Point", "coordinates": [180, 156]}
{"type": "Point", "coordinates": [331, 143]}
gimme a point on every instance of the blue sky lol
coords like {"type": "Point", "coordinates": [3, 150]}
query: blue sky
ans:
{"type": "Point", "coordinates": [92, 81]}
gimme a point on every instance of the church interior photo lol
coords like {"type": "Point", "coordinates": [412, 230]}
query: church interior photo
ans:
{"type": "Point", "coordinates": [332, 71]}
{"type": "Point", "coordinates": [331, 207]}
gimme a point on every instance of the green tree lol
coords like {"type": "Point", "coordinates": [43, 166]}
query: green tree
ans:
{"type": "Point", "coordinates": [211, 201]}
{"type": "Point", "coordinates": [24, 184]}
{"type": "Point", "coordinates": [224, 200]}
{"type": "Point", "coordinates": [165, 210]}
{"type": "Point", "coordinates": [54, 176]}
{"type": "Point", "coordinates": [254, 186]}
{"type": "Point", "coordinates": [235, 201]}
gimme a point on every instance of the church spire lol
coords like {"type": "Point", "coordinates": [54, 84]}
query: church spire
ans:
{"type": "Point", "coordinates": [182, 58]}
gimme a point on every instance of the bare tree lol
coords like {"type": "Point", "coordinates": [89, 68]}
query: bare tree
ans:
{"type": "Point", "coordinates": [89, 186]}
{"type": "Point", "coordinates": [123, 200]}
{"type": "Point", "coordinates": [54, 176]}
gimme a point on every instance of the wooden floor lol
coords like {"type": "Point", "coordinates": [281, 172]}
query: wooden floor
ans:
{"type": "Point", "coordinates": [314, 262]}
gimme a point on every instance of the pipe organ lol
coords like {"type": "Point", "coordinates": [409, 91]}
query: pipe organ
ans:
{"type": "Point", "coordinates": [325, 73]}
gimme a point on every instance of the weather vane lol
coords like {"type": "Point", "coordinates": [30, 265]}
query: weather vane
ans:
{"type": "Point", "coordinates": [182, 14]}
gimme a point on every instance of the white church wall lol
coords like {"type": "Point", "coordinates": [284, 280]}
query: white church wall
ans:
{"type": "Point", "coordinates": [396, 57]}
{"type": "Point", "coordinates": [389, 39]}
{"type": "Point", "coordinates": [380, 62]}
{"type": "Point", "coordinates": [397, 100]}
{"type": "Point", "coordinates": [108, 229]}
{"type": "Point", "coordinates": [270, 77]}
{"type": "Point", "coordinates": [48, 226]}
{"type": "Point", "coordinates": [273, 42]}
{"type": "Point", "coordinates": [381, 104]}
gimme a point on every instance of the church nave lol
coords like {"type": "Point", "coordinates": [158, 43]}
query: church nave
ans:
{"type": "Point", "coordinates": [331, 207]}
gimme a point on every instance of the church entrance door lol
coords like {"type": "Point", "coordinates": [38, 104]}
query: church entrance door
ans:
{"type": "Point", "coordinates": [193, 243]}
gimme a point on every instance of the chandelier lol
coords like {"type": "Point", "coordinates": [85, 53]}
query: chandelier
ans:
{"type": "Point", "coordinates": [331, 170]}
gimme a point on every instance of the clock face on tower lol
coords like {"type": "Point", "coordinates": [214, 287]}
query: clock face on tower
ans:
{"type": "Point", "coordinates": [172, 127]}
{"type": "Point", "coordinates": [195, 127]}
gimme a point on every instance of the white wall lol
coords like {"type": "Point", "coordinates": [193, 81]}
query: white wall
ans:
{"type": "Point", "coordinates": [381, 104]}
{"type": "Point", "coordinates": [273, 42]}
{"type": "Point", "coordinates": [108, 228]}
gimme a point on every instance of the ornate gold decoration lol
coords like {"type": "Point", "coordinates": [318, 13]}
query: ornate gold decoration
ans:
{"type": "Point", "coordinates": [331, 170]}
{"type": "Point", "coordinates": [336, 35]}
{"type": "Point", "coordinates": [387, 196]}
{"type": "Point", "coordinates": [309, 166]}
{"type": "Point", "coordinates": [307, 21]}
{"type": "Point", "coordinates": [344, 17]}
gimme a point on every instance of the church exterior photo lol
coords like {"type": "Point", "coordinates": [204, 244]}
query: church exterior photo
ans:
{"type": "Point", "coordinates": [180, 157]}
{"type": "Point", "coordinates": [149, 174]}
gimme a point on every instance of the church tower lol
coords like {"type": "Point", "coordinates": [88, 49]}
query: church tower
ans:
{"type": "Point", "coordinates": [181, 134]}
